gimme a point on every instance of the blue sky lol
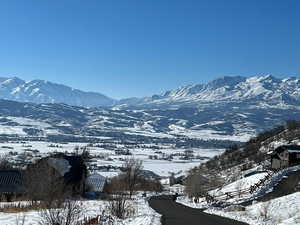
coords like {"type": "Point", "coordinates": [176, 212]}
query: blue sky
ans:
{"type": "Point", "coordinates": [126, 48]}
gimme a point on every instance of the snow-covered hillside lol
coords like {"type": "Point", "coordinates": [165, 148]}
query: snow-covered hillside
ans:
{"type": "Point", "coordinates": [144, 214]}
{"type": "Point", "coordinates": [39, 91]}
{"type": "Point", "coordinates": [262, 91]}
{"type": "Point", "coordinates": [229, 108]}
{"type": "Point", "coordinates": [222, 122]}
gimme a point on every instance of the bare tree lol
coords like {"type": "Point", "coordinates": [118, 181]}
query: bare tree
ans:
{"type": "Point", "coordinates": [20, 220]}
{"type": "Point", "coordinates": [150, 185]}
{"type": "Point", "coordinates": [265, 210]}
{"type": "Point", "coordinates": [239, 187]}
{"type": "Point", "coordinates": [116, 185]}
{"type": "Point", "coordinates": [196, 185]}
{"type": "Point", "coordinates": [43, 183]}
{"type": "Point", "coordinates": [4, 163]}
{"type": "Point", "coordinates": [132, 172]}
{"type": "Point", "coordinates": [200, 181]}
{"type": "Point", "coordinates": [120, 206]}
{"type": "Point", "coordinates": [70, 213]}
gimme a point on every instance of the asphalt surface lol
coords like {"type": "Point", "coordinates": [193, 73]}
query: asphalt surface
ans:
{"type": "Point", "coordinates": [177, 214]}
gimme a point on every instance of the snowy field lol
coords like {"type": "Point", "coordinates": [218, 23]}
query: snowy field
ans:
{"type": "Point", "coordinates": [144, 214]}
{"type": "Point", "coordinates": [105, 157]}
{"type": "Point", "coordinates": [208, 134]}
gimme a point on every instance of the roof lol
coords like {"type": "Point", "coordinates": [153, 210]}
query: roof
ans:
{"type": "Point", "coordinates": [11, 181]}
{"type": "Point", "coordinates": [289, 148]}
{"type": "Point", "coordinates": [150, 175]}
{"type": "Point", "coordinates": [96, 181]}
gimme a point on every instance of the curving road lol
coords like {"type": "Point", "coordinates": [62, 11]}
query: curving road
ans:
{"type": "Point", "coordinates": [178, 214]}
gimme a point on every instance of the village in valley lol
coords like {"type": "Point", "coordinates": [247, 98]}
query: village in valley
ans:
{"type": "Point", "coordinates": [137, 112]}
{"type": "Point", "coordinates": [249, 183]}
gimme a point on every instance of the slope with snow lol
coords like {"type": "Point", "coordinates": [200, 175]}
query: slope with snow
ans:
{"type": "Point", "coordinates": [254, 90]}
{"type": "Point", "coordinates": [144, 214]}
{"type": "Point", "coordinates": [39, 91]}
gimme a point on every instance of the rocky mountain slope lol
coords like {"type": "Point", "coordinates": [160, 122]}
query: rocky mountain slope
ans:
{"type": "Point", "coordinates": [264, 91]}
{"type": "Point", "coordinates": [229, 108]}
{"type": "Point", "coordinates": [39, 91]}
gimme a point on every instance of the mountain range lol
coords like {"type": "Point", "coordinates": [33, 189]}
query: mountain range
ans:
{"type": "Point", "coordinates": [264, 91]}
{"type": "Point", "coordinates": [231, 108]}
{"type": "Point", "coordinates": [39, 91]}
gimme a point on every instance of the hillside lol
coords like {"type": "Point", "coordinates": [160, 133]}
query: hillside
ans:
{"type": "Point", "coordinates": [249, 156]}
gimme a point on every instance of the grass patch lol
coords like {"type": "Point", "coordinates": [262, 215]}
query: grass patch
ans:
{"type": "Point", "coordinates": [21, 207]}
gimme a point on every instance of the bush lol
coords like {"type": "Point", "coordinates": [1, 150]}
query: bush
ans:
{"type": "Point", "coordinates": [120, 206]}
{"type": "Point", "coordinates": [69, 214]}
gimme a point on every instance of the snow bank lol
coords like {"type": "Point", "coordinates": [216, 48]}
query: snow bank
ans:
{"type": "Point", "coordinates": [279, 211]}
{"type": "Point", "coordinates": [144, 214]}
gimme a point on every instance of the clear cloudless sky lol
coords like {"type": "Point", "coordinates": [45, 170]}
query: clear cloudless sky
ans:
{"type": "Point", "coordinates": [126, 48]}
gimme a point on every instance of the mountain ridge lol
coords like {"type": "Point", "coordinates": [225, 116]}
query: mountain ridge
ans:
{"type": "Point", "coordinates": [40, 91]}
{"type": "Point", "coordinates": [264, 91]}
{"type": "Point", "coordinates": [267, 89]}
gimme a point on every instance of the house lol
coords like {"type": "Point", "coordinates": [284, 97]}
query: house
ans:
{"type": "Point", "coordinates": [70, 168]}
{"type": "Point", "coordinates": [177, 188]}
{"type": "Point", "coordinates": [285, 156]}
{"type": "Point", "coordinates": [11, 183]}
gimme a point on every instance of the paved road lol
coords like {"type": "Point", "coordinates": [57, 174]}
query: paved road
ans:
{"type": "Point", "coordinates": [178, 214]}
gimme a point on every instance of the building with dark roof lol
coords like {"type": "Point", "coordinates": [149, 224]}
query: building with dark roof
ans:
{"type": "Point", "coordinates": [11, 183]}
{"type": "Point", "coordinates": [285, 156]}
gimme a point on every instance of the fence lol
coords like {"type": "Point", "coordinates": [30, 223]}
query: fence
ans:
{"type": "Point", "coordinates": [242, 192]}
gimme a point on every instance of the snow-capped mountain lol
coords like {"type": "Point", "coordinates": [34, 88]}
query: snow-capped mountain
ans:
{"type": "Point", "coordinates": [229, 108]}
{"type": "Point", "coordinates": [39, 91]}
{"type": "Point", "coordinates": [263, 90]}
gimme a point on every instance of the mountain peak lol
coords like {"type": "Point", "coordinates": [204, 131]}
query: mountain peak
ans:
{"type": "Point", "coordinates": [41, 91]}
{"type": "Point", "coordinates": [255, 90]}
{"type": "Point", "coordinates": [226, 81]}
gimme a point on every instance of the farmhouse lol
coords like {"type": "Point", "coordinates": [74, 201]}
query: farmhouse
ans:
{"type": "Point", "coordinates": [285, 156]}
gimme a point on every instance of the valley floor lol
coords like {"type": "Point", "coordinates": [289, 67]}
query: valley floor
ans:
{"type": "Point", "coordinates": [103, 157]}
